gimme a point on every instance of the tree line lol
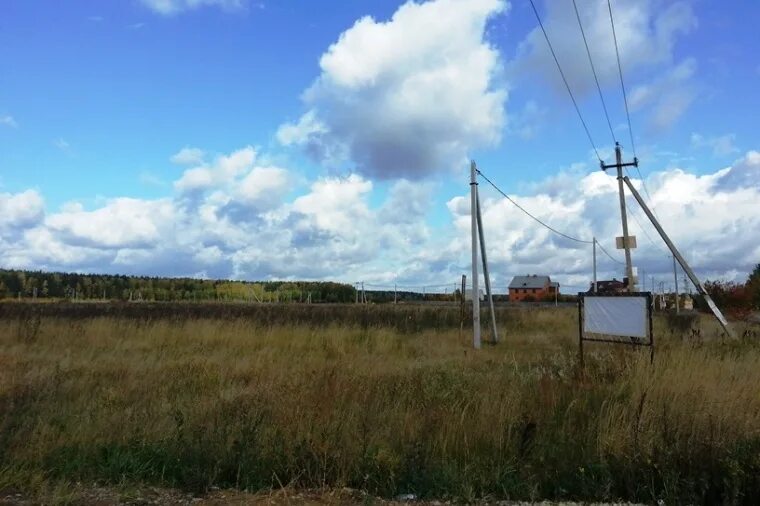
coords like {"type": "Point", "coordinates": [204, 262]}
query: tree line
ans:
{"type": "Point", "coordinates": [75, 286]}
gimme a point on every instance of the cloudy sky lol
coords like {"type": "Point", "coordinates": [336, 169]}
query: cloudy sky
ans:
{"type": "Point", "coordinates": [330, 140]}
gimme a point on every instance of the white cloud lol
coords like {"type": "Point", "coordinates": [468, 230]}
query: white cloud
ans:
{"type": "Point", "coordinates": [246, 224]}
{"type": "Point", "coordinates": [21, 210]}
{"type": "Point", "coordinates": [169, 7]}
{"type": "Point", "coordinates": [188, 156]}
{"type": "Point", "coordinates": [8, 120]}
{"type": "Point", "coordinates": [721, 145]}
{"type": "Point", "coordinates": [407, 97]}
{"type": "Point", "coordinates": [223, 170]}
{"type": "Point", "coordinates": [121, 223]}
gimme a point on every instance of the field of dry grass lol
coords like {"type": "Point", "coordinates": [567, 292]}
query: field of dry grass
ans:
{"type": "Point", "coordinates": [232, 403]}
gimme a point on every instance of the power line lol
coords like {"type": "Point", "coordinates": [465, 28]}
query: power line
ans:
{"type": "Point", "coordinates": [610, 256]}
{"type": "Point", "coordinates": [561, 73]}
{"type": "Point", "coordinates": [526, 212]}
{"type": "Point", "coordinates": [593, 69]}
{"type": "Point", "coordinates": [622, 84]}
{"type": "Point", "coordinates": [625, 101]}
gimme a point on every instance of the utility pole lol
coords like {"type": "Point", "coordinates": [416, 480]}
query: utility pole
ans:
{"type": "Point", "coordinates": [675, 278]}
{"type": "Point", "coordinates": [486, 276]}
{"type": "Point", "coordinates": [474, 227]}
{"type": "Point", "coordinates": [395, 298]}
{"type": "Point", "coordinates": [594, 262]}
{"type": "Point", "coordinates": [626, 240]}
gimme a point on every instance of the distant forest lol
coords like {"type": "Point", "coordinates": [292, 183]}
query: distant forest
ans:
{"type": "Point", "coordinates": [73, 286]}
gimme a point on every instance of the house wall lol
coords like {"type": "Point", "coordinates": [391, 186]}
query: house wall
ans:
{"type": "Point", "coordinates": [519, 294]}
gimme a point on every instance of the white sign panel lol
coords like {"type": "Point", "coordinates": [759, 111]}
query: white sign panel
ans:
{"type": "Point", "coordinates": [616, 316]}
{"type": "Point", "coordinates": [620, 243]}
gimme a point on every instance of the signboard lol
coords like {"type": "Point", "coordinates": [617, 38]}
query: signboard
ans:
{"type": "Point", "coordinates": [624, 318]}
{"type": "Point", "coordinates": [616, 316]}
{"type": "Point", "coordinates": [620, 244]}
{"type": "Point", "coordinates": [468, 294]}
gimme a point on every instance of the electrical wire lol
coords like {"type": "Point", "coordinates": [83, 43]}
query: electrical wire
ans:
{"type": "Point", "coordinates": [610, 256]}
{"type": "Point", "coordinates": [526, 212]}
{"type": "Point", "coordinates": [625, 101]}
{"type": "Point", "coordinates": [593, 69]}
{"type": "Point", "coordinates": [622, 84]}
{"type": "Point", "coordinates": [564, 79]}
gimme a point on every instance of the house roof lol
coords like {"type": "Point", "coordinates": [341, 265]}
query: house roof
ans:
{"type": "Point", "coordinates": [532, 281]}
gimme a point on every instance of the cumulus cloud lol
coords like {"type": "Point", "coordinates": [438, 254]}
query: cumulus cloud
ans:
{"type": "Point", "coordinates": [397, 101]}
{"type": "Point", "coordinates": [121, 223]}
{"type": "Point", "coordinates": [169, 7]}
{"type": "Point", "coordinates": [224, 169]}
{"type": "Point", "coordinates": [21, 210]}
{"type": "Point", "coordinates": [188, 156]}
{"type": "Point", "coordinates": [251, 224]}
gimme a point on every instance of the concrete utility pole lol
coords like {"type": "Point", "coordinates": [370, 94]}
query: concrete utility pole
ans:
{"type": "Point", "coordinates": [675, 277]}
{"type": "Point", "coordinates": [626, 240]}
{"type": "Point", "coordinates": [594, 262]}
{"type": "Point", "coordinates": [700, 288]}
{"type": "Point", "coordinates": [474, 227]}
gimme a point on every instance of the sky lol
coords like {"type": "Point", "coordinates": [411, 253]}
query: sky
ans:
{"type": "Point", "coordinates": [255, 140]}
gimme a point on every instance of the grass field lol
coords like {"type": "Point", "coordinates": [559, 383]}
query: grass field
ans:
{"type": "Point", "coordinates": [196, 403]}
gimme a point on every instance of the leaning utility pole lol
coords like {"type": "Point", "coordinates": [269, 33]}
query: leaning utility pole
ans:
{"type": "Point", "coordinates": [675, 277]}
{"type": "Point", "coordinates": [486, 276]}
{"type": "Point", "coordinates": [693, 277]}
{"type": "Point", "coordinates": [474, 226]}
{"type": "Point", "coordinates": [626, 240]}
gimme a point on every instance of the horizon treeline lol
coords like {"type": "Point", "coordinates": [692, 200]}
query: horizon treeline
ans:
{"type": "Point", "coordinates": [76, 286]}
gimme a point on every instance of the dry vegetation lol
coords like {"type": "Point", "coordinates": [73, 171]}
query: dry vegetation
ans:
{"type": "Point", "coordinates": [202, 403]}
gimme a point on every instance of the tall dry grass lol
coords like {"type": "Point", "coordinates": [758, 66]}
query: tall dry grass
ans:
{"type": "Point", "coordinates": [204, 403]}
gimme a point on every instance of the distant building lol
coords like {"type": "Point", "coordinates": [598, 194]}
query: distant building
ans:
{"type": "Point", "coordinates": [609, 286]}
{"type": "Point", "coordinates": [532, 287]}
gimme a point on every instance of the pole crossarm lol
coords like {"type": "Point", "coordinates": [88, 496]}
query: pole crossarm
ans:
{"type": "Point", "coordinates": [605, 166]}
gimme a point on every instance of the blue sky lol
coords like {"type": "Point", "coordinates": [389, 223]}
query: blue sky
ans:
{"type": "Point", "coordinates": [361, 97]}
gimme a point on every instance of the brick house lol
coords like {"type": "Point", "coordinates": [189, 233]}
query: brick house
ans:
{"type": "Point", "coordinates": [532, 287]}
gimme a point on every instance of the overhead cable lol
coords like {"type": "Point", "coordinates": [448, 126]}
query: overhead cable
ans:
{"type": "Point", "coordinates": [610, 256]}
{"type": "Point", "coordinates": [526, 212]}
{"type": "Point", "coordinates": [564, 79]}
{"type": "Point", "coordinates": [625, 101]}
{"type": "Point", "coordinates": [593, 69]}
{"type": "Point", "coordinates": [622, 84]}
